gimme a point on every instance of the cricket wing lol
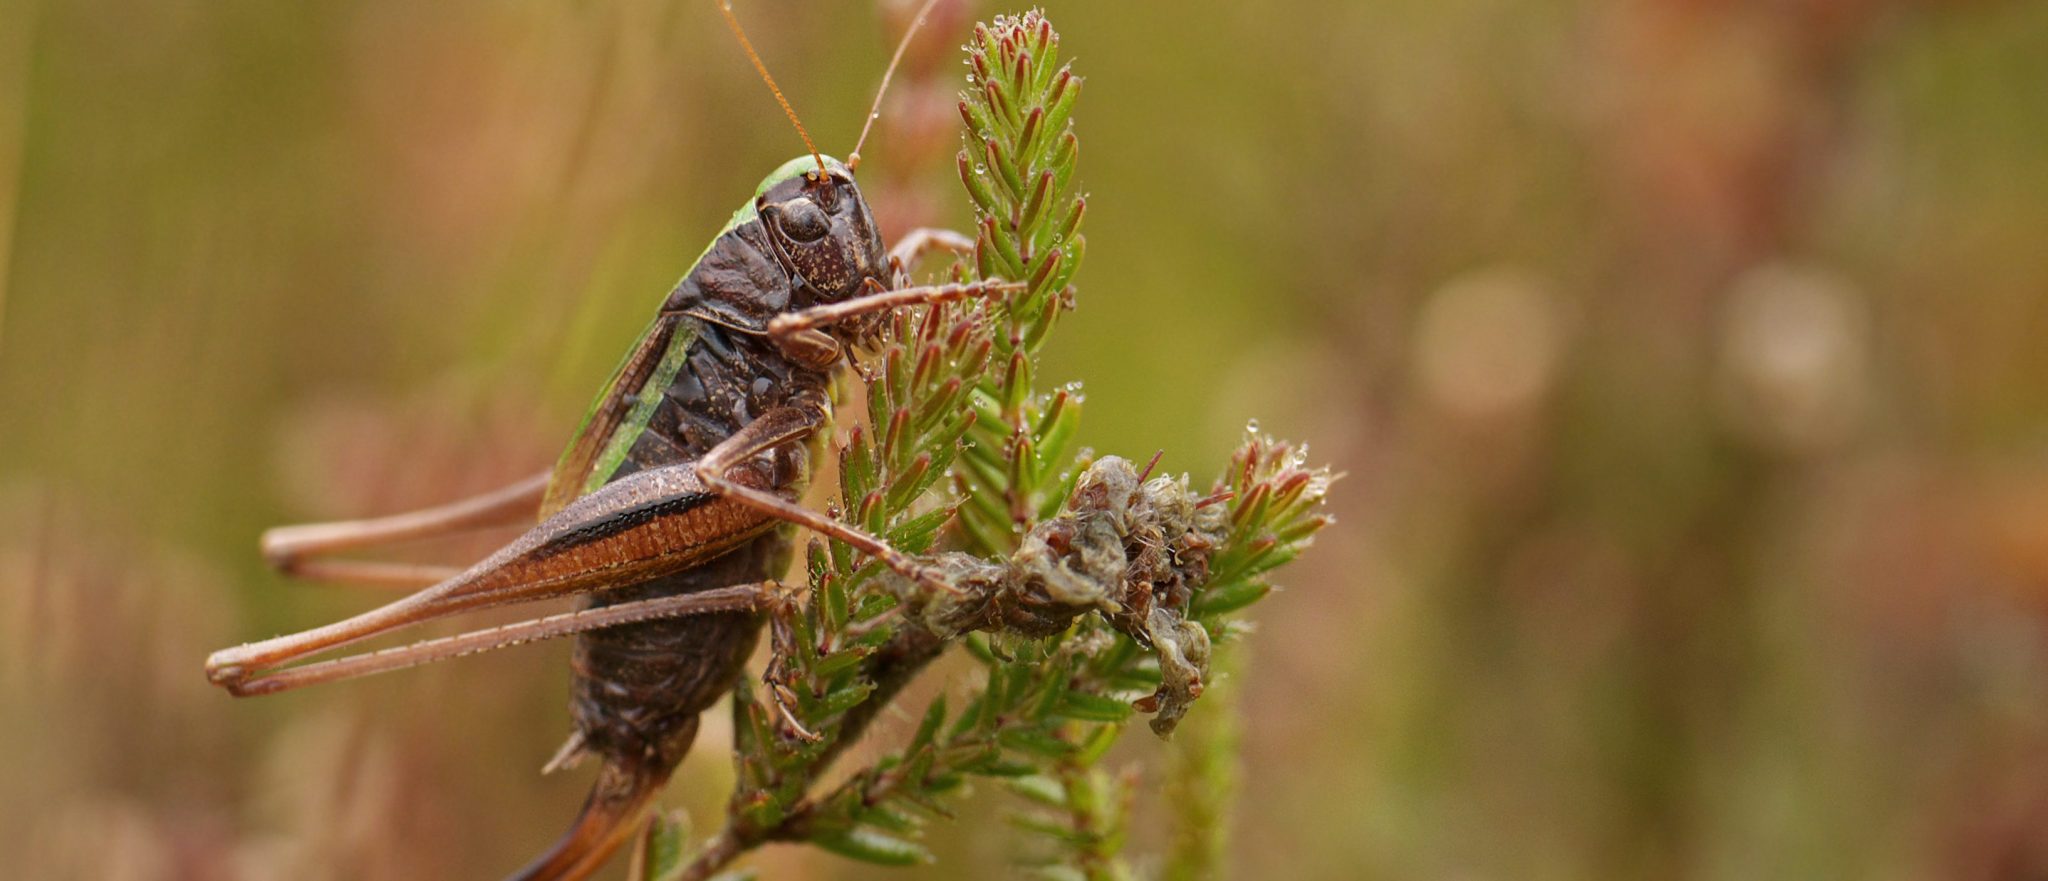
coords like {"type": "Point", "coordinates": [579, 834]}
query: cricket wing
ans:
{"type": "Point", "coordinates": [621, 411]}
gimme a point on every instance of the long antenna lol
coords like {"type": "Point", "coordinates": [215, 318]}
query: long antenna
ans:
{"type": "Point", "coordinates": [853, 158]}
{"type": "Point", "coordinates": [725, 6]}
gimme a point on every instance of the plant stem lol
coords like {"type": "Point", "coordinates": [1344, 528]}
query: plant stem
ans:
{"type": "Point", "coordinates": [718, 853]}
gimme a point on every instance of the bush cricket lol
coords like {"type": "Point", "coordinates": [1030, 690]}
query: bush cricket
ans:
{"type": "Point", "coordinates": [671, 512]}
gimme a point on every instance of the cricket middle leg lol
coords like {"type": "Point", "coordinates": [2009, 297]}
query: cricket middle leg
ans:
{"type": "Point", "coordinates": [775, 428]}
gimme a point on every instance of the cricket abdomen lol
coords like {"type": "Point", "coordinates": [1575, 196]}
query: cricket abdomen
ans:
{"type": "Point", "coordinates": [639, 687]}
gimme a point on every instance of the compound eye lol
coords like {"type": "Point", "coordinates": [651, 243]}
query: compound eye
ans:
{"type": "Point", "coordinates": [803, 221]}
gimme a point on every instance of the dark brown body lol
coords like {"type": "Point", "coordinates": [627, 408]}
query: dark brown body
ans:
{"type": "Point", "coordinates": [638, 688]}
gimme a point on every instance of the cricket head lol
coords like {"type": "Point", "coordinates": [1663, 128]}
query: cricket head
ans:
{"type": "Point", "coordinates": [822, 230]}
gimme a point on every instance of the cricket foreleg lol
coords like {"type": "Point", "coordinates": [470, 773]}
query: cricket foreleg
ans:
{"type": "Point", "coordinates": [773, 429]}
{"type": "Point", "coordinates": [797, 333]}
{"type": "Point", "coordinates": [922, 241]}
{"type": "Point", "coordinates": [291, 549]}
{"type": "Point", "coordinates": [725, 599]}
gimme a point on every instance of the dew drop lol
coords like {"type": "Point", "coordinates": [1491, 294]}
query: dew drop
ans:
{"type": "Point", "coordinates": [1251, 426]}
{"type": "Point", "coordinates": [980, 168]}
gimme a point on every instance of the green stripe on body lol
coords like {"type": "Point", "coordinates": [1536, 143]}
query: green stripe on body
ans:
{"type": "Point", "coordinates": [645, 400]}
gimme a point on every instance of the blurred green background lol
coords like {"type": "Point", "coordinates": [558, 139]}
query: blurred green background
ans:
{"type": "Point", "coordinates": [1688, 360]}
